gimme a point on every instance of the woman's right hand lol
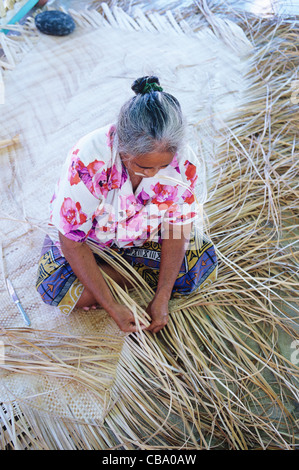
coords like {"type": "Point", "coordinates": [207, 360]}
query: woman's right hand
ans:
{"type": "Point", "coordinates": [124, 318]}
{"type": "Point", "coordinates": [82, 262]}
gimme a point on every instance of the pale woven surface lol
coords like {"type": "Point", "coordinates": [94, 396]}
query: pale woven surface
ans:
{"type": "Point", "coordinates": [60, 90]}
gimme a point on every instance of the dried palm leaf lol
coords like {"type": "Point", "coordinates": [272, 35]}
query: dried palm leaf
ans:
{"type": "Point", "coordinates": [223, 373]}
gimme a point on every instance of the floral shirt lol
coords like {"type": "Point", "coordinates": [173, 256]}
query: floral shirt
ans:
{"type": "Point", "coordinates": [94, 198]}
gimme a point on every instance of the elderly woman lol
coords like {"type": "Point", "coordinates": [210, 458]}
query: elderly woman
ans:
{"type": "Point", "coordinates": [129, 187]}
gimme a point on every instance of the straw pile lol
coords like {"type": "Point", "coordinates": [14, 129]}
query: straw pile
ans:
{"type": "Point", "coordinates": [224, 372]}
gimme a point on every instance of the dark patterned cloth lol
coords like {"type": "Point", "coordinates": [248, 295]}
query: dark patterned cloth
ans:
{"type": "Point", "coordinates": [58, 285]}
{"type": "Point", "coordinates": [199, 266]}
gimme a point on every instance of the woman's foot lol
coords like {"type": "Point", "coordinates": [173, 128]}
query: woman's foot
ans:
{"type": "Point", "coordinates": [87, 300]}
{"type": "Point", "coordinates": [94, 307]}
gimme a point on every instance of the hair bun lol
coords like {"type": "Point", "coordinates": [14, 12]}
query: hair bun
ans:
{"type": "Point", "coordinates": [147, 84]}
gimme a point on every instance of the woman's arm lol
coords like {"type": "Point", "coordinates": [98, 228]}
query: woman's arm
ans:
{"type": "Point", "coordinates": [83, 263]}
{"type": "Point", "coordinates": [172, 255]}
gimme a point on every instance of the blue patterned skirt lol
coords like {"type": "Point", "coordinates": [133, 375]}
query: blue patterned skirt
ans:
{"type": "Point", "coordinates": [58, 285]}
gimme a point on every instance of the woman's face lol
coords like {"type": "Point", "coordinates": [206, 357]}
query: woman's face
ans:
{"type": "Point", "coordinates": [147, 165]}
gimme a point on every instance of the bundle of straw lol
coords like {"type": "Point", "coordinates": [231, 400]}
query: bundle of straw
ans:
{"type": "Point", "coordinates": [224, 372]}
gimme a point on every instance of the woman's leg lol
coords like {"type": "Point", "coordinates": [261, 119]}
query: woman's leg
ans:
{"type": "Point", "coordinates": [58, 285]}
{"type": "Point", "coordinates": [87, 300]}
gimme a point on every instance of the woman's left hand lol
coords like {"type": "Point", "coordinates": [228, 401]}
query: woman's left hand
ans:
{"type": "Point", "coordinates": [158, 311]}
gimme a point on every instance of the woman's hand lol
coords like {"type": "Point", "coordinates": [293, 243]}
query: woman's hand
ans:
{"type": "Point", "coordinates": [158, 311]}
{"type": "Point", "coordinates": [172, 254]}
{"type": "Point", "coordinates": [83, 263]}
{"type": "Point", "coordinates": [124, 318]}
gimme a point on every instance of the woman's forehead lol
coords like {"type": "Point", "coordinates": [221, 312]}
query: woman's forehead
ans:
{"type": "Point", "coordinates": [153, 159]}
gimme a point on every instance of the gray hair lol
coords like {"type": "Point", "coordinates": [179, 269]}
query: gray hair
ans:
{"type": "Point", "coordinates": [151, 121]}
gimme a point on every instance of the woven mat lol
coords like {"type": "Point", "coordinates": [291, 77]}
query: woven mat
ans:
{"type": "Point", "coordinates": [60, 89]}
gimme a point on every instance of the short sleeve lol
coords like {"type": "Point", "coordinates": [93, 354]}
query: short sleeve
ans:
{"type": "Point", "coordinates": [78, 193]}
{"type": "Point", "coordinates": [184, 209]}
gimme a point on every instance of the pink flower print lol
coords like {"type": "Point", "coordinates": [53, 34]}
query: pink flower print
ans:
{"type": "Point", "coordinates": [175, 164]}
{"type": "Point", "coordinates": [96, 177]}
{"type": "Point", "coordinates": [132, 228]}
{"type": "Point", "coordinates": [107, 225]}
{"type": "Point", "coordinates": [143, 197]}
{"type": "Point", "coordinates": [173, 212]}
{"type": "Point", "coordinates": [188, 197]}
{"type": "Point", "coordinates": [185, 217]}
{"type": "Point", "coordinates": [190, 172]}
{"type": "Point", "coordinates": [106, 215]}
{"type": "Point", "coordinates": [128, 204]}
{"type": "Point", "coordinates": [99, 184]}
{"type": "Point", "coordinates": [54, 196]}
{"type": "Point", "coordinates": [71, 215]}
{"type": "Point", "coordinates": [134, 225]}
{"type": "Point", "coordinates": [75, 164]}
{"type": "Point", "coordinates": [91, 175]}
{"type": "Point", "coordinates": [108, 180]}
{"type": "Point", "coordinates": [166, 195]}
{"type": "Point", "coordinates": [113, 177]}
{"type": "Point", "coordinates": [181, 215]}
{"type": "Point", "coordinates": [124, 175]}
{"type": "Point", "coordinates": [94, 167]}
{"type": "Point", "coordinates": [110, 136]}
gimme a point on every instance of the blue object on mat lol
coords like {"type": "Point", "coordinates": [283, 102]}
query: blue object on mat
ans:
{"type": "Point", "coordinates": [22, 12]}
{"type": "Point", "coordinates": [55, 22]}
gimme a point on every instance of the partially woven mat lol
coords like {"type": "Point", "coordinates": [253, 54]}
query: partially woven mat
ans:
{"type": "Point", "coordinates": [69, 381]}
